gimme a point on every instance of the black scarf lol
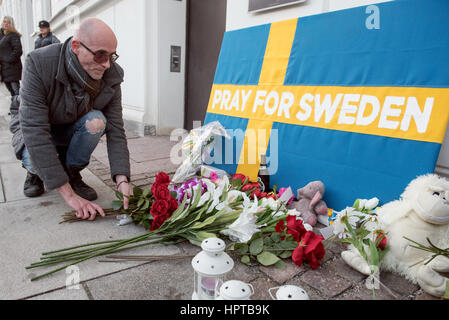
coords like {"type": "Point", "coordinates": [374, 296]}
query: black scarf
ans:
{"type": "Point", "coordinates": [85, 89]}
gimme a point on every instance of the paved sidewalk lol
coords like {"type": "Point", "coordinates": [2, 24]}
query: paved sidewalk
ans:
{"type": "Point", "coordinates": [29, 227]}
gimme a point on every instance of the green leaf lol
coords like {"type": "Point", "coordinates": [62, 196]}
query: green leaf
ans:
{"type": "Point", "coordinates": [174, 194]}
{"type": "Point", "coordinates": [276, 237]}
{"type": "Point", "coordinates": [356, 204]}
{"type": "Point", "coordinates": [203, 235]}
{"type": "Point", "coordinates": [374, 254]}
{"type": "Point", "coordinates": [137, 192]}
{"type": "Point", "coordinates": [205, 223]}
{"type": "Point", "coordinates": [246, 260]}
{"type": "Point", "coordinates": [288, 244]}
{"type": "Point", "coordinates": [244, 249]}
{"type": "Point", "coordinates": [140, 203]}
{"type": "Point", "coordinates": [119, 195]}
{"type": "Point", "coordinates": [286, 255]}
{"type": "Point", "coordinates": [227, 218]}
{"type": "Point", "coordinates": [146, 192]}
{"type": "Point", "coordinates": [280, 265]}
{"type": "Point", "coordinates": [117, 205]}
{"type": "Point", "coordinates": [256, 247]}
{"type": "Point", "coordinates": [180, 209]}
{"type": "Point", "coordinates": [267, 241]}
{"type": "Point", "coordinates": [267, 259]}
{"type": "Point", "coordinates": [147, 205]}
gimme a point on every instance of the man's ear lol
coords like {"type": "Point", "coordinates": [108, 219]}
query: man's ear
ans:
{"type": "Point", "coordinates": [75, 46]}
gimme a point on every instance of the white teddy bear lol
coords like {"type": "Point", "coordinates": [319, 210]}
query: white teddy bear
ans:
{"type": "Point", "coordinates": [421, 213]}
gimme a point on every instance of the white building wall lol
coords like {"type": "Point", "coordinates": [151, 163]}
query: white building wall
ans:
{"type": "Point", "coordinates": [238, 17]}
{"type": "Point", "coordinates": [153, 97]}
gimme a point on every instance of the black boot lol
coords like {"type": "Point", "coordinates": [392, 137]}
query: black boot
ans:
{"type": "Point", "coordinates": [80, 188]}
{"type": "Point", "coordinates": [34, 187]}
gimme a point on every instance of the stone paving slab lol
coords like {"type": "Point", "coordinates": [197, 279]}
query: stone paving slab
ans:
{"type": "Point", "coordinates": [159, 280]}
{"type": "Point", "coordinates": [31, 227]}
{"type": "Point", "coordinates": [281, 276]}
{"type": "Point", "coordinates": [341, 268]}
{"type": "Point", "coordinates": [261, 287]}
{"type": "Point", "coordinates": [7, 153]}
{"type": "Point", "coordinates": [2, 194]}
{"type": "Point", "coordinates": [63, 294]}
{"type": "Point", "coordinates": [150, 148]}
{"type": "Point", "coordinates": [5, 135]}
{"type": "Point", "coordinates": [326, 282]}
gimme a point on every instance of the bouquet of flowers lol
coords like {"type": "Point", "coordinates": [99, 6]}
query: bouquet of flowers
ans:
{"type": "Point", "coordinates": [360, 227]}
{"type": "Point", "coordinates": [289, 238]}
{"type": "Point", "coordinates": [208, 208]}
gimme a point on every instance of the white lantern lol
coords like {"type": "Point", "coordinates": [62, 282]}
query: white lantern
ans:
{"type": "Point", "coordinates": [289, 293]}
{"type": "Point", "coordinates": [211, 266]}
{"type": "Point", "coordinates": [236, 290]}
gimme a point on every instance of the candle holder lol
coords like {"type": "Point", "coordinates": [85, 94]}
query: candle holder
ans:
{"type": "Point", "coordinates": [211, 266]}
{"type": "Point", "coordinates": [289, 293]}
{"type": "Point", "coordinates": [235, 290]}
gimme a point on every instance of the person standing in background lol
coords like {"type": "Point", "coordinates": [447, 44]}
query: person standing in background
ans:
{"type": "Point", "coordinates": [10, 53]}
{"type": "Point", "coordinates": [46, 37]}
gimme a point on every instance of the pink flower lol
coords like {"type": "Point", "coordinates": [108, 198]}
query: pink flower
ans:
{"type": "Point", "coordinates": [213, 176]}
{"type": "Point", "coordinates": [281, 192]}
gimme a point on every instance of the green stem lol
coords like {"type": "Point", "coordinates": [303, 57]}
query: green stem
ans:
{"type": "Point", "coordinates": [82, 246]}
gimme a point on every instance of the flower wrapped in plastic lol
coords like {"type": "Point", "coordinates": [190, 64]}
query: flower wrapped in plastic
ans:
{"type": "Point", "coordinates": [198, 145]}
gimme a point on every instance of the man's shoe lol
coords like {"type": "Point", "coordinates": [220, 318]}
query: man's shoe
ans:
{"type": "Point", "coordinates": [34, 187]}
{"type": "Point", "coordinates": [78, 185]}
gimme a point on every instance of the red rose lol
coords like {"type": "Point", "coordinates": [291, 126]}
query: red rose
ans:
{"type": "Point", "coordinates": [310, 249]}
{"type": "Point", "coordinates": [173, 204]}
{"type": "Point", "coordinates": [240, 177]}
{"type": "Point", "coordinates": [163, 178]}
{"type": "Point", "coordinates": [257, 193]}
{"type": "Point", "coordinates": [280, 227]}
{"type": "Point", "coordinates": [383, 243]}
{"type": "Point", "coordinates": [160, 191]}
{"type": "Point", "coordinates": [250, 187]}
{"type": "Point", "coordinates": [160, 208]}
{"type": "Point", "coordinates": [298, 256]}
{"type": "Point", "coordinates": [314, 249]}
{"type": "Point", "coordinates": [295, 228]}
{"type": "Point", "coordinates": [158, 221]}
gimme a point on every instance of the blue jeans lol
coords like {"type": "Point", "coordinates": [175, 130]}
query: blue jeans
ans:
{"type": "Point", "coordinates": [79, 140]}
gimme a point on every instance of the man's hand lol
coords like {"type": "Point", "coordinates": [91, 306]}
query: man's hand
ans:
{"type": "Point", "coordinates": [124, 187]}
{"type": "Point", "coordinates": [85, 210]}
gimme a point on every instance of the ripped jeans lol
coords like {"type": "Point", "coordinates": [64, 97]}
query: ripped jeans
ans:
{"type": "Point", "coordinates": [79, 139]}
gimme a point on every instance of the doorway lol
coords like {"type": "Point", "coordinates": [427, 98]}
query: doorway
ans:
{"type": "Point", "coordinates": [206, 24]}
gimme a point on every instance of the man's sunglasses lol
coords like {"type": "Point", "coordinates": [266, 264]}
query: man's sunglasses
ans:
{"type": "Point", "coordinates": [102, 56]}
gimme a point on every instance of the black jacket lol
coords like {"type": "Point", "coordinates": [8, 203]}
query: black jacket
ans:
{"type": "Point", "coordinates": [43, 42]}
{"type": "Point", "coordinates": [10, 53]}
{"type": "Point", "coordinates": [52, 93]}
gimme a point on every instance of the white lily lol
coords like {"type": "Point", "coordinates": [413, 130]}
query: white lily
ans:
{"type": "Point", "coordinates": [372, 204]}
{"type": "Point", "coordinates": [232, 196]}
{"type": "Point", "coordinates": [349, 215]}
{"type": "Point", "coordinates": [217, 191]}
{"type": "Point", "coordinates": [270, 203]}
{"type": "Point", "coordinates": [243, 229]}
{"type": "Point", "coordinates": [362, 203]}
{"type": "Point", "coordinates": [204, 198]}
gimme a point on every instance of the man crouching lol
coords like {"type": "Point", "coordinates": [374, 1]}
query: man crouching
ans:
{"type": "Point", "coordinates": [70, 98]}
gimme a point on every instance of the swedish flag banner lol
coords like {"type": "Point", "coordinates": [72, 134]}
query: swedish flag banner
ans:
{"type": "Point", "coordinates": [364, 110]}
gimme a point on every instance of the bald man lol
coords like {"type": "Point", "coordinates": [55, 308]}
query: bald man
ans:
{"type": "Point", "coordinates": [70, 98]}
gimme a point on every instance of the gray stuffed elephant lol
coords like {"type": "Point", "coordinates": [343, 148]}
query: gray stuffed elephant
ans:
{"type": "Point", "coordinates": [310, 203]}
